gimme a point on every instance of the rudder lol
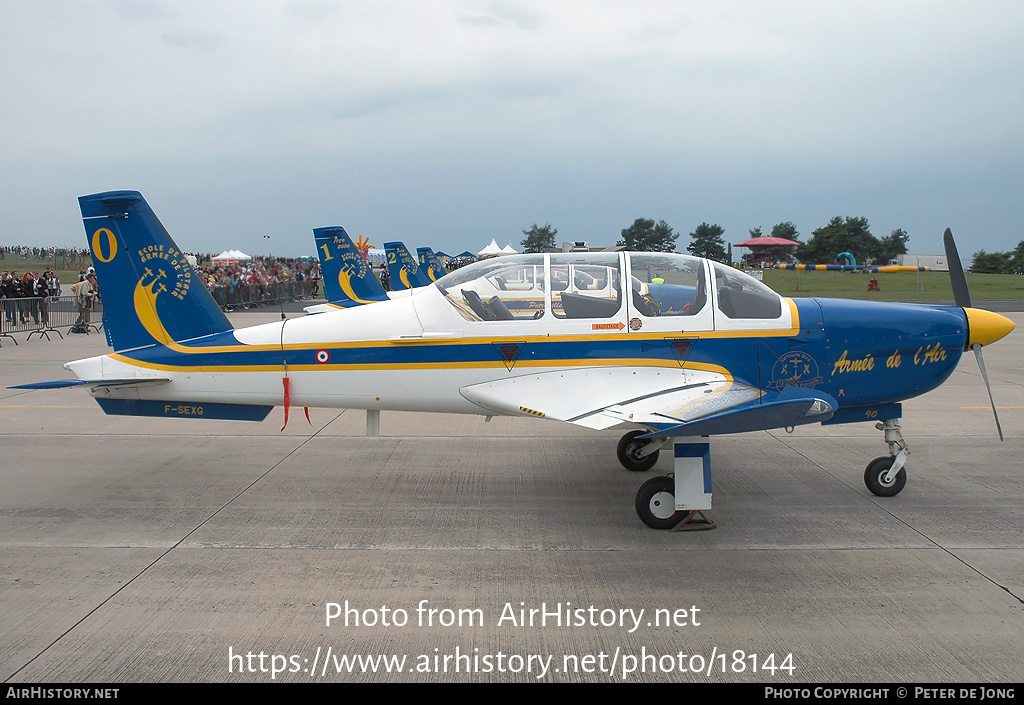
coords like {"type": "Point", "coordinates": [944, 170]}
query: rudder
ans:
{"type": "Point", "coordinates": [151, 295]}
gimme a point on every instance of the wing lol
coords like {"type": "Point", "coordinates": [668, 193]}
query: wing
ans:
{"type": "Point", "coordinates": [675, 402]}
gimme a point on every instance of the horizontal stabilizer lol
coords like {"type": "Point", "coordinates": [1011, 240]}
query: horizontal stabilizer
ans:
{"type": "Point", "coordinates": [65, 383]}
{"type": "Point", "coordinates": [184, 409]}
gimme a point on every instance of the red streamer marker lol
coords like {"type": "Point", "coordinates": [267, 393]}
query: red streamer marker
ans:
{"type": "Point", "coordinates": [287, 402]}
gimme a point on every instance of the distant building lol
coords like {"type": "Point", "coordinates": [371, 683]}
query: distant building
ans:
{"type": "Point", "coordinates": [936, 263]}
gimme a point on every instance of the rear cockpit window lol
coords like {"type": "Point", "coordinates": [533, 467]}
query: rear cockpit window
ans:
{"type": "Point", "coordinates": [500, 289]}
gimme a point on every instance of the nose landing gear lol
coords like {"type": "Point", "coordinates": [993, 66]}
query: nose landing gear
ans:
{"type": "Point", "coordinates": [886, 476]}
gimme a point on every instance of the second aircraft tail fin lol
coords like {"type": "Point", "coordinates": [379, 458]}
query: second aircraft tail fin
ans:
{"type": "Point", "coordinates": [405, 272]}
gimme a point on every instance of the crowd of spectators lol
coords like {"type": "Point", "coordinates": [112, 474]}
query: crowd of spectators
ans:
{"type": "Point", "coordinates": [258, 280]}
{"type": "Point", "coordinates": [261, 279]}
{"type": "Point", "coordinates": [71, 254]}
{"type": "Point", "coordinates": [25, 295]}
{"type": "Point", "coordinates": [454, 263]}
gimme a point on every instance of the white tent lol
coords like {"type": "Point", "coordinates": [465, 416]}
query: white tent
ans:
{"type": "Point", "coordinates": [230, 256]}
{"type": "Point", "coordinates": [491, 250]}
{"type": "Point", "coordinates": [509, 250]}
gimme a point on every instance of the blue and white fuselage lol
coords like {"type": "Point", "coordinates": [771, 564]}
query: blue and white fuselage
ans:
{"type": "Point", "coordinates": [559, 336]}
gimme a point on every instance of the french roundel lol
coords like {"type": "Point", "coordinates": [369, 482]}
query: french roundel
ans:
{"type": "Point", "coordinates": [323, 357]}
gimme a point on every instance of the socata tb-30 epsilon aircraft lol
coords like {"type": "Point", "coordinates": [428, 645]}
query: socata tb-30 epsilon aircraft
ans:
{"type": "Point", "coordinates": [673, 346]}
{"type": "Point", "coordinates": [349, 280]}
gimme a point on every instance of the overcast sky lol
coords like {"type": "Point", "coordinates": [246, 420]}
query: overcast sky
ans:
{"type": "Point", "coordinates": [450, 123]}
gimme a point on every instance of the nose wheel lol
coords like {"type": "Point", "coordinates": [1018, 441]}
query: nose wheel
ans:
{"type": "Point", "coordinates": [881, 481]}
{"type": "Point", "coordinates": [886, 476]}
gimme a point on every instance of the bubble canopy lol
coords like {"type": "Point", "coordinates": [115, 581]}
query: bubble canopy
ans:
{"type": "Point", "coordinates": [590, 285]}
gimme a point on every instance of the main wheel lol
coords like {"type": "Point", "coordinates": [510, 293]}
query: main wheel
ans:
{"type": "Point", "coordinates": [629, 449]}
{"type": "Point", "coordinates": [656, 503]}
{"type": "Point", "coordinates": [874, 476]}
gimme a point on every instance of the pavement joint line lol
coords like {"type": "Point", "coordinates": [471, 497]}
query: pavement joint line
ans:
{"type": "Point", "coordinates": [993, 380]}
{"type": "Point", "coordinates": [156, 560]}
{"type": "Point", "coordinates": [913, 529]}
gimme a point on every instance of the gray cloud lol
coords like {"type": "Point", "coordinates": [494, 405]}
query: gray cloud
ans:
{"type": "Point", "coordinates": [450, 123]}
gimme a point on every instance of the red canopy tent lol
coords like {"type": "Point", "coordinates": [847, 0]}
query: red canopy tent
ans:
{"type": "Point", "coordinates": [767, 242]}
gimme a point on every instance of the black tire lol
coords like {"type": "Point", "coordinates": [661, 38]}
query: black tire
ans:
{"type": "Point", "coordinates": [874, 473]}
{"type": "Point", "coordinates": [627, 453]}
{"type": "Point", "coordinates": [656, 503]}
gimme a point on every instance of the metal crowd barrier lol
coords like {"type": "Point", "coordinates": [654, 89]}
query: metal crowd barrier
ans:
{"type": "Point", "coordinates": [42, 316]}
{"type": "Point", "coordinates": [252, 295]}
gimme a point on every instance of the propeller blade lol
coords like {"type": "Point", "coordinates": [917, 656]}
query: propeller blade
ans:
{"type": "Point", "coordinates": [961, 295]}
{"type": "Point", "coordinates": [984, 375]}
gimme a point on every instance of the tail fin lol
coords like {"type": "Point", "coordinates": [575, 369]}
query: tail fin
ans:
{"type": "Point", "coordinates": [348, 279]}
{"type": "Point", "coordinates": [429, 264]}
{"type": "Point", "coordinates": [405, 273]}
{"type": "Point", "coordinates": [151, 295]}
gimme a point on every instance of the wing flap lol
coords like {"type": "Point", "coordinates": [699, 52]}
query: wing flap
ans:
{"type": "Point", "coordinates": [795, 406]}
{"type": "Point", "coordinates": [671, 407]}
{"type": "Point", "coordinates": [601, 397]}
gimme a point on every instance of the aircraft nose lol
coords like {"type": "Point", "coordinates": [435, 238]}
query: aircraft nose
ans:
{"type": "Point", "coordinates": [986, 327]}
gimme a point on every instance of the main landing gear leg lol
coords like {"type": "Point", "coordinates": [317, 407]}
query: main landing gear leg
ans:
{"type": "Point", "coordinates": [678, 501]}
{"type": "Point", "coordinates": [886, 476]}
{"type": "Point", "coordinates": [639, 455]}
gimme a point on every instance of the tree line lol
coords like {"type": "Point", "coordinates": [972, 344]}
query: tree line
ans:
{"type": "Point", "coordinates": [848, 234]}
{"type": "Point", "coordinates": [1011, 262]}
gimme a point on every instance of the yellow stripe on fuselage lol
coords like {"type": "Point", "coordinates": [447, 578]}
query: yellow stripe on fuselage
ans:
{"type": "Point", "coordinates": [528, 339]}
{"type": "Point", "coordinates": [465, 365]}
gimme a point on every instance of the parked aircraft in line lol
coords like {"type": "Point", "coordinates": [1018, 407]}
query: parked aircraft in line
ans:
{"type": "Point", "coordinates": [404, 271]}
{"type": "Point", "coordinates": [676, 347]}
{"type": "Point", "coordinates": [347, 276]}
{"type": "Point", "coordinates": [429, 264]}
